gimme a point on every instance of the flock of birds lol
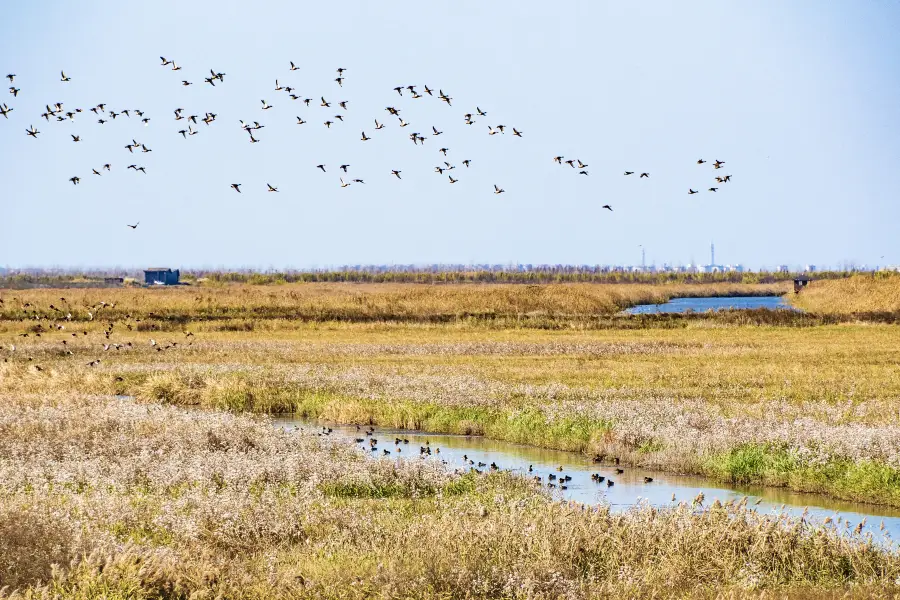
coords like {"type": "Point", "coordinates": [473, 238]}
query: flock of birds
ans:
{"type": "Point", "coordinates": [59, 113]}
{"type": "Point", "coordinates": [554, 480]}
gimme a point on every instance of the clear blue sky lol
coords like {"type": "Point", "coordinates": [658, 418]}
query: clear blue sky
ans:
{"type": "Point", "coordinates": [801, 99]}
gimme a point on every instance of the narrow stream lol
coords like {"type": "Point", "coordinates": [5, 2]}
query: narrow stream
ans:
{"type": "Point", "coordinates": [629, 487]}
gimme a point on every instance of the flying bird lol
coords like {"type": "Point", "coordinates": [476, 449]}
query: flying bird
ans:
{"type": "Point", "coordinates": [265, 106]}
{"type": "Point", "coordinates": [294, 67]}
{"type": "Point", "coordinates": [701, 161]}
{"type": "Point", "coordinates": [451, 179]}
{"type": "Point", "coordinates": [32, 132]}
{"type": "Point", "coordinates": [236, 187]}
{"type": "Point", "coordinates": [629, 172]}
{"type": "Point", "coordinates": [271, 189]}
{"type": "Point", "coordinates": [63, 76]}
{"type": "Point", "coordinates": [321, 167]}
{"type": "Point", "coordinates": [607, 207]}
{"type": "Point", "coordinates": [645, 175]}
{"type": "Point", "coordinates": [397, 173]}
{"type": "Point", "coordinates": [498, 190]}
{"type": "Point", "coordinates": [344, 168]}
{"type": "Point", "coordinates": [364, 138]}
{"type": "Point", "coordinates": [133, 226]}
{"type": "Point", "coordinates": [692, 192]}
{"type": "Point", "coordinates": [75, 180]}
{"type": "Point", "coordinates": [713, 189]}
{"type": "Point", "coordinates": [343, 185]}
{"type": "Point", "coordinates": [466, 162]}
{"type": "Point", "coordinates": [516, 132]}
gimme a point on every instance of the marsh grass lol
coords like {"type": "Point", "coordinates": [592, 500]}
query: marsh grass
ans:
{"type": "Point", "coordinates": [101, 497]}
{"type": "Point", "coordinates": [861, 295]}
{"type": "Point", "coordinates": [352, 302]}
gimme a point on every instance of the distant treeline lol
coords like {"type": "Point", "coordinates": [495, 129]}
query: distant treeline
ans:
{"type": "Point", "coordinates": [549, 275]}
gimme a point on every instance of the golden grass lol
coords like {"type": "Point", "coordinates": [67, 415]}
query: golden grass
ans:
{"type": "Point", "coordinates": [107, 498]}
{"type": "Point", "coordinates": [367, 302]}
{"type": "Point", "coordinates": [810, 408]}
{"type": "Point", "coordinates": [860, 294]}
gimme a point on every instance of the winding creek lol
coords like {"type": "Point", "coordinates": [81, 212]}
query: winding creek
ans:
{"type": "Point", "coordinates": [629, 487]}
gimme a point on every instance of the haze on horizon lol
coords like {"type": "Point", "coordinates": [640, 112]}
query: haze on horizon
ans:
{"type": "Point", "coordinates": [800, 99]}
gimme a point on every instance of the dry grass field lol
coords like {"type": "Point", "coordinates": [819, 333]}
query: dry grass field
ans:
{"type": "Point", "coordinates": [186, 491]}
{"type": "Point", "coordinates": [860, 294]}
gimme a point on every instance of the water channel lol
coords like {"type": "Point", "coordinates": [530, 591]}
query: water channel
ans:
{"type": "Point", "coordinates": [680, 305]}
{"type": "Point", "coordinates": [629, 487]}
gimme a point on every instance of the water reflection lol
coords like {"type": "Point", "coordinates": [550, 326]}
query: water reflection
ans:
{"type": "Point", "coordinates": [680, 305]}
{"type": "Point", "coordinates": [628, 487]}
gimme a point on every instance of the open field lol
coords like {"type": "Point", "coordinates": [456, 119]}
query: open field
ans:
{"type": "Point", "coordinates": [860, 294]}
{"type": "Point", "coordinates": [133, 500]}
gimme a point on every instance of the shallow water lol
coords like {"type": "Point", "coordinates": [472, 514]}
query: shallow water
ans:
{"type": "Point", "coordinates": [680, 305]}
{"type": "Point", "coordinates": [629, 487]}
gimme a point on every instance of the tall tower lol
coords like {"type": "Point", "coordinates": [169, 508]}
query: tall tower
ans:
{"type": "Point", "coordinates": [643, 258]}
{"type": "Point", "coordinates": [712, 254]}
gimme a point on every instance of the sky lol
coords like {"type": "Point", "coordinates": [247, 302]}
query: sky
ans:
{"type": "Point", "coordinates": [800, 99]}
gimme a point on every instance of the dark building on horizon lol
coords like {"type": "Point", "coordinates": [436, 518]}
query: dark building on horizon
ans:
{"type": "Point", "coordinates": [161, 276]}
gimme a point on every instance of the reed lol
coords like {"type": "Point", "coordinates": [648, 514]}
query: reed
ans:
{"type": "Point", "coordinates": [110, 498]}
{"type": "Point", "coordinates": [352, 302]}
{"type": "Point", "coordinates": [877, 293]}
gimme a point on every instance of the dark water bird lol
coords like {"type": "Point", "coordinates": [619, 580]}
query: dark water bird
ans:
{"type": "Point", "coordinates": [727, 179]}
{"type": "Point", "coordinates": [436, 132]}
{"type": "Point", "coordinates": [444, 151]}
{"type": "Point", "coordinates": [324, 103]}
{"type": "Point", "coordinates": [558, 159]}
{"type": "Point", "coordinates": [265, 105]}
{"type": "Point", "coordinates": [718, 164]}
{"type": "Point", "coordinates": [620, 471]}
{"type": "Point", "coordinates": [378, 125]}
{"type": "Point", "coordinates": [643, 175]}
{"type": "Point", "coordinates": [396, 173]}
{"type": "Point", "coordinates": [701, 161]}
{"type": "Point", "coordinates": [75, 180]}
{"type": "Point", "coordinates": [582, 172]}
{"type": "Point", "coordinates": [610, 483]}
{"type": "Point", "coordinates": [340, 81]}
{"type": "Point", "coordinates": [692, 192]}
{"type": "Point", "coordinates": [294, 67]}
{"type": "Point", "coordinates": [713, 189]}
{"type": "Point", "coordinates": [629, 172]}
{"type": "Point", "coordinates": [648, 479]}
{"type": "Point", "coordinates": [571, 163]}
{"type": "Point", "coordinates": [361, 181]}
{"type": "Point", "coordinates": [328, 124]}
{"type": "Point", "coordinates": [300, 121]}
{"type": "Point", "coordinates": [581, 165]}
{"type": "Point", "coordinates": [107, 167]}
{"type": "Point", "coordinates": [399, 90]}
{"type": "Point", "coordinates": [96, 172]}
{"type": "Point", "coordinates": [427, 90]}
{"type": "Point", "coordinates": [63, 76]}
{"type": "Point", "coordinates": [343, 184]}
{"type": "Point", "coordinates": [451, 179]}
{"type": "Point", "coordinates": [480, 112]}
{"type": "Point", "coordinates": [75, 138]}
{"type": "Point", "coordinates": [607, 207]}
{"type": "Point", "coordinates": [466, 162]}
{"type": "Point", "coordinates": [271, 189]}
{"type": "Point", "coordinates": [498, 190]}
{"type": "Point", "coordinates": [236, 187]}
{"type": "Point", "coordinates": [364, 137]}
{"type": "Point", "coordinates": [344, 168]}
{"type": "Point", "coordinates": [135, 226]}
{"type": "Point", "coordinates": [11, 77]}
{"type": "Point", "coordinates": [186, 83]}
{"type": "Point", "coordinates": [516, 132]}
{"type": "Point", "coordinates": [321, 167]}
{"type": "Point", "coordinates": [14, 91]}
{"type": "Point", "coordinates": [32, 131]}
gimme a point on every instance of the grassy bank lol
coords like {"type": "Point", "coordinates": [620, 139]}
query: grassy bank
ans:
{"type": "Point", "coordinates": [108, 498]}
{"type": "Point", "coordinates": [877, 293]}
{"type": "Point", "coordinates": [814, 404]}
{"type": "Point", "coordinates": [352, 302]}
